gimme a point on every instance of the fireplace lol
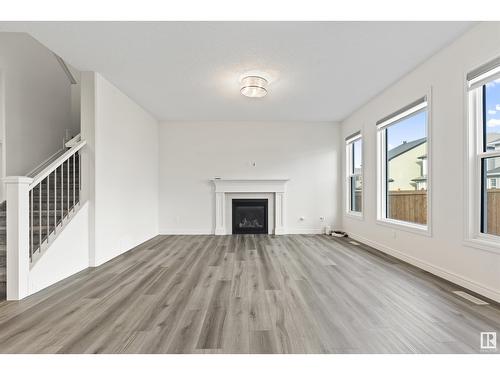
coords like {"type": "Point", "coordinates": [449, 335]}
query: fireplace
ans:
{"type": "Point", "coordinates": [249, 216]}
{"type": "Point", "coordinates": [226, 190]}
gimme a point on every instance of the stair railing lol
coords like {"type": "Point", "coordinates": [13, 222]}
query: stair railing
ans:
{"type": "Point", "coordinates": [38, 208]}
{"type": "Point", "coordinates": [54, 195]}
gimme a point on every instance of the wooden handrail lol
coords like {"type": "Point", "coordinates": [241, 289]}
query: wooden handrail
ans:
{"type": "Point", "coordinates": [56, 164]}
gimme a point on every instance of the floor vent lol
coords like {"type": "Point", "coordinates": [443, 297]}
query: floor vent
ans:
{"type": "Point", "coordinates": [471, 298]}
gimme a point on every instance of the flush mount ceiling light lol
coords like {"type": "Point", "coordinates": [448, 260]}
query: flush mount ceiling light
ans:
{"type": "Point", "coordinates": [254, 86]}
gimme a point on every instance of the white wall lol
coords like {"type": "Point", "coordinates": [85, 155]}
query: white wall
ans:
{"type": "Point", "coordinates": [67, 255]}
{"type": "Point", "coordinates": [120, 186]}
{"type": "Point", "coordinates": [193, 153]}
{"type": "Point", "coordinates": [444, 252]}
{"type": "Point", "coordinates": [37, 102]}
{"type": "Point", "coordinates": [123, 153]}
{"type": "Point", "coordinates": [2, 136]}
{"type": "Point", "coordinates": [75, 107]}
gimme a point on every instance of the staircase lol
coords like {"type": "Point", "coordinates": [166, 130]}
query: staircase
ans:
{"type": "Point", "coordinates": [53, 195]}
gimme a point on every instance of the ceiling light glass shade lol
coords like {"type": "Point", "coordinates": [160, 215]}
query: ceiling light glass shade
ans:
{"type": "Point", "coordinates": [254, 87]}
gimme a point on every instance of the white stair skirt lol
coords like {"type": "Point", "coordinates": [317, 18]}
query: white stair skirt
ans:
{"type": "Point", "coordinates": [226, 186]}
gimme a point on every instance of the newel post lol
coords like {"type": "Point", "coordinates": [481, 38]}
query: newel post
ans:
{"type": "Point", "coordinates": [18, 260]}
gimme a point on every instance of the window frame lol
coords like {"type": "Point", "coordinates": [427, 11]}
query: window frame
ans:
{"type": "Point", "coordinates": [349, 153]}
{"type": "Point", "coordinates": [475, 138]}
{"type": "Point", "coordinates": [388, 121]}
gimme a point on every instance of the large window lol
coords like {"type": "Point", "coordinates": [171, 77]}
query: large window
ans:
{"type": "Point", "coordinates": [354, 158]}
{"type": "Point", "coordinates": [403, 177]}
{"type": "Point", "coordinates": [484, 138]}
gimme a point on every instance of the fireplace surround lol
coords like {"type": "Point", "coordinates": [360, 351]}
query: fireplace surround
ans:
{"type": "Point", "coordinates": [225, 189]}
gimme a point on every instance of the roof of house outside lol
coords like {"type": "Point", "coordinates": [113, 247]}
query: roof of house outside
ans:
{"type": "Point", "coordinates": [493, 172]}
{"type": "Point", "coordinates": [404, 147]}
{"type": "Point", "coordinates": [420, 179]}
{"type": "Point", "coordinates": [493, 138]}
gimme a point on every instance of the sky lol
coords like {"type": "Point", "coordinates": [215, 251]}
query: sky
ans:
{"type": "Point", "coordinates": [493, 106]}
{"type": "Point", "coordinates": [413, 127]}
{"type": "Point", "coordinates": [409, 129]}
{"type": "Point", "coordinates": [357, 153]}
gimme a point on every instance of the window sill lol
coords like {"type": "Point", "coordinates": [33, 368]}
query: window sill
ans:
{"type": "Point", "coordinates": [422, 230]}
{"type": "Point", "coordinates": [485, 244]}
{"type": "Point", "coordinates": [355, 215]}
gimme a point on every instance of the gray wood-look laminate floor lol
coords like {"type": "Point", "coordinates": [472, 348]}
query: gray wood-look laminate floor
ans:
{"type": "Point", "coordinates": [248, 294]}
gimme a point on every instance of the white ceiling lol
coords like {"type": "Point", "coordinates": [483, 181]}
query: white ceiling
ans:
{"type": "Point", "coordinates": [190, 71]}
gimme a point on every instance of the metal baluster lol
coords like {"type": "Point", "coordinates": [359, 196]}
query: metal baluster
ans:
{"type": "Point", "coordinates": [62, 193]}
{"type": "Point", "coordinates": [31, 224]}
{"type": "Point", "coordinates": [48, 208]}
{"type": "Point", "coordinates": [40, 216]}
{"type": "Point", "coordinates": [55, 201]}
{"type": "Point", "coordinates": [74, 190]}
{"type": "Point", "coordinates": [79, 177]}
{"type": "Point", "coordinates": [67, 178]}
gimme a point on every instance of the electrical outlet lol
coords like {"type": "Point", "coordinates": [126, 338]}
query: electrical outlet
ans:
{"type": "Point", "coordinates": [321, 218]}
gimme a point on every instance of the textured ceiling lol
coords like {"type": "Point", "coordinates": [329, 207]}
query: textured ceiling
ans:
{"type": "Point", "coordinates": [190, 71]}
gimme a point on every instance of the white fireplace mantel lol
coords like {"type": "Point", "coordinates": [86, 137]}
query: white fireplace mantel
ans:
{"type": "Point", "coordinates": [225, 186]}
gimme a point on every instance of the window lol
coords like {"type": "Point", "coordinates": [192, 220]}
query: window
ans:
{"type": "Point", "coordinates": [354, 157]}
{"type": "Point", "coordinates": [403, 166]}
{"type": "Point", "coordinates": [484, 147]}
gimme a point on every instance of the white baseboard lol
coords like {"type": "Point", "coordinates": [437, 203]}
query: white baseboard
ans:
{"type": "Point", "coordinates": [304, 231]}
{"type": "Point", "coordinates": [191, 232]}
{"type": "Point", "coordinates": [194, 232]}
{"type": "Point", "coordinates": [435, 270]}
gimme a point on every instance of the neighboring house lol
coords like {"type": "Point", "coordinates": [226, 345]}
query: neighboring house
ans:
{"type": "Point", "coordinates": [407, 169]}
{"type": "Point", "coordinates": [358, 181]}
{"type": "Point", "coordinates": [493, 178]}
{"type": "Point", "coordinates": [493, 168]}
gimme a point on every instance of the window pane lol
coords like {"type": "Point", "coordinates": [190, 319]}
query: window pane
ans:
{"type": "Point", "coordinates": [357, 156]}
{"type": "Point", "coordinates": [406, 169]}
{"type": "Point", "coordinates": [356, 193]}
{"type": "Point", "coordinates": [356, 181]}
{"type": "Point", "coordinates": [491, 116]}
{"type": "Point", "coordinates": [490, 222]}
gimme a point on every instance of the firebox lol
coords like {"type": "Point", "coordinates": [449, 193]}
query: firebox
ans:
{"type": "Point", "coordinates": [250, 216]}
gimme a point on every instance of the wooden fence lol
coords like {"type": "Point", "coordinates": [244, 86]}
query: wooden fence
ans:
{"type": "Point", "coordinates": [493, 218]}
{"type": "Point", "coordinates": [411, 206]}
{"type": "Point", "coordinates": [405, 205]}
{"type": "Point", "coordinates": [408, 206]}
